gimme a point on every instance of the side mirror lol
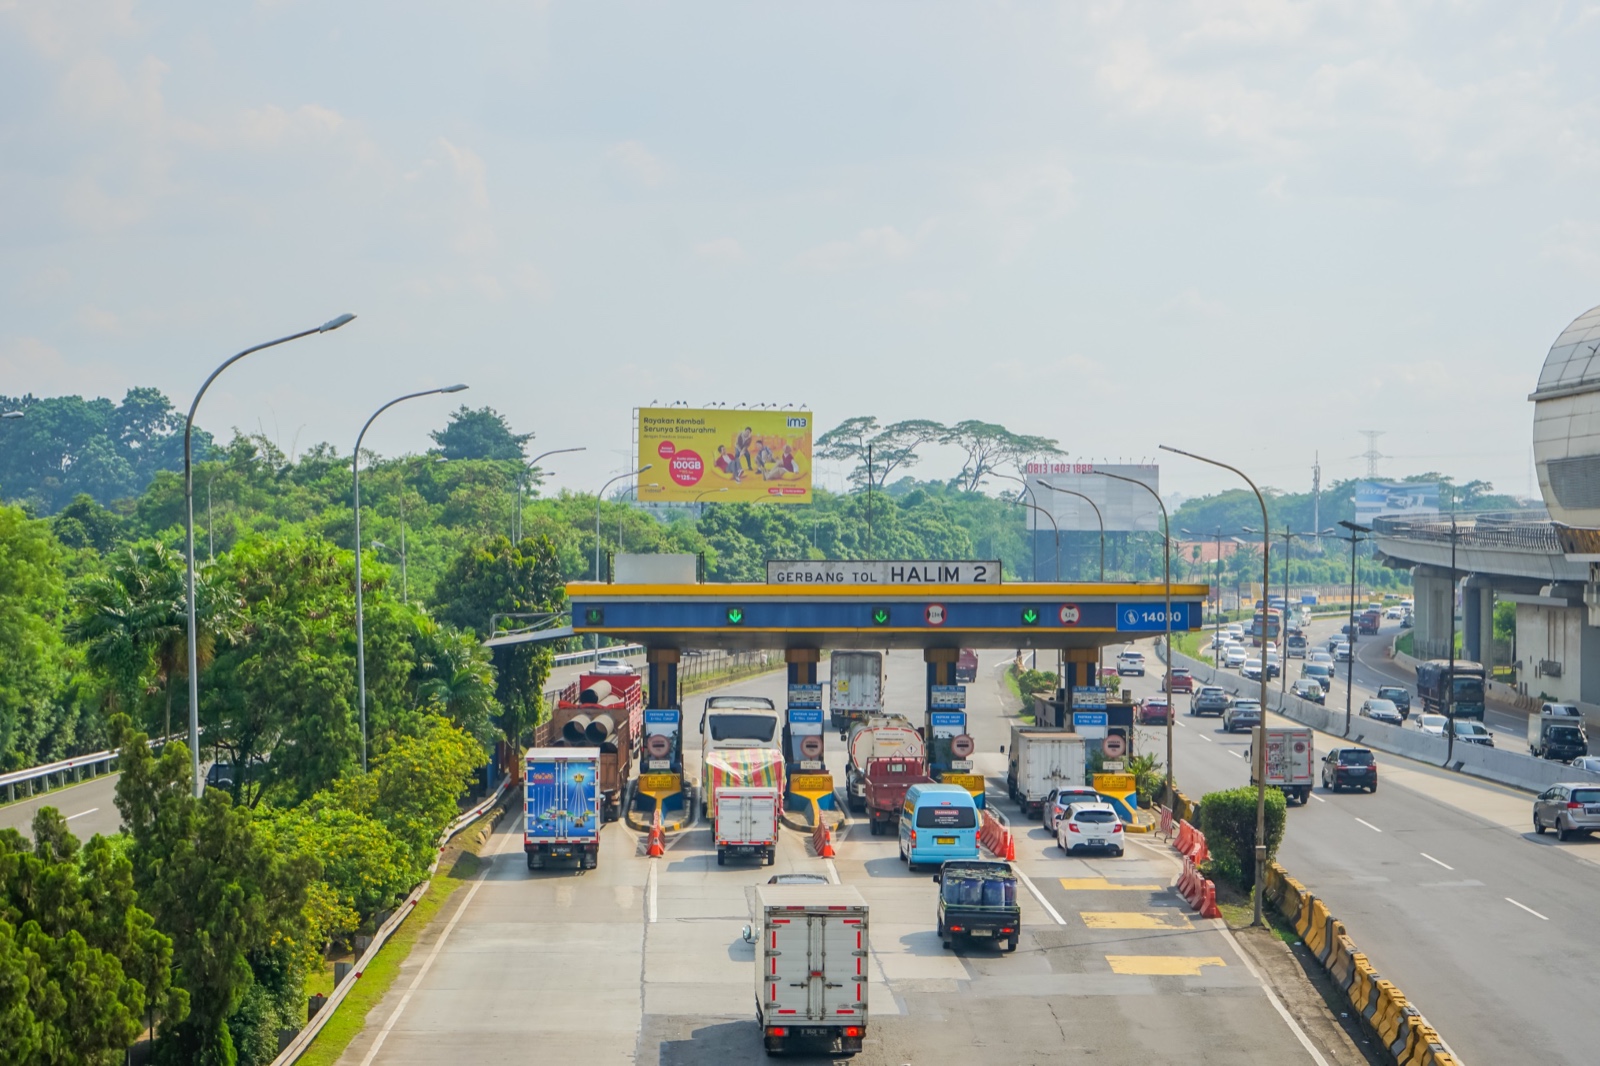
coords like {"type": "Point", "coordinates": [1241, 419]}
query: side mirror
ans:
{"type": "Point", "coordinates": [748, 935]}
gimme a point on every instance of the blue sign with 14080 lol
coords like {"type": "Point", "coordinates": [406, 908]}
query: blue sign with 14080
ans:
{"type": "Point", "coordinates": [1150, 618]}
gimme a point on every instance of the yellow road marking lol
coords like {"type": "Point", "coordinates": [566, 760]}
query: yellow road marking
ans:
{"type": "Point", "coordinates": [1162, 965]}
{"type": "Point", "coordinates": [1100, 884]}
{"type": "Point", "coordinates": [1131, 920]}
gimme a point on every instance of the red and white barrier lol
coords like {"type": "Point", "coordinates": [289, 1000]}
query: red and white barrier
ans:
{"type": "Point", "coordinates": [996, 835]}
{"type": "Point", "coordinates": [1198, 891]}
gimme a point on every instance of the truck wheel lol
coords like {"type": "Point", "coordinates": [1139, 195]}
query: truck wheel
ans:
{"type": "Point", "coordinates": [532, 866]}
{"type": "Point", "coordinates": [722, 860]}
{"type": "Point", "coordinates": [1011, 944]}
{"type": "Point", "coordinates": [772, 856]}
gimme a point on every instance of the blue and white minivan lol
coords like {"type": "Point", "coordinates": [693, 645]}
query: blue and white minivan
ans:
{"type": "Point", "coordinates": [938, 822]}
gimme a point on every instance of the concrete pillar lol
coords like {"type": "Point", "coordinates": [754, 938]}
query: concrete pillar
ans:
{"type": "Point", "coordinates": [662, 664]}
{"type": "Point", "coordinates": [802, 665]}
{"type": "Point", "coordinates": [1473, 594]}
{"type": "Point", "coordinates": [941, 670]}
{"type": "Point", "coordinates": [1433, 591]}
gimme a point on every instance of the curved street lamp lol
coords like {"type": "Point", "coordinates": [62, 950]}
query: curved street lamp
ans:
{"type": "Point", "coordinates": [522, 482]}
{"type": "Point", "coordinates": [361, 632]}
{"type": "Point", "coordinates": [188, 502]}
{"type": "Point", "coordinates": [1098, 517]}
{"type": "Point", "coordinates": [1259, 749]}
{"type": "Point", "coordinates": [1033, 542]}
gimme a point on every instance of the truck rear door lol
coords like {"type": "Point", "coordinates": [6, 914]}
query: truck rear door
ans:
{"type": "Point", "coordinates": [838, 971]}
{"type": "Point", "coordinates": [762, 818]}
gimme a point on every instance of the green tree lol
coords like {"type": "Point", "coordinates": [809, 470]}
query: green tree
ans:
{"type": "Point", "coordinates": [497, 577]}
{"type": "Point", "coordinates": [456, 679]}
{"type": "Point", "coordinates": [32, 601]}
{"type": "Point", "coordinates": [480, 434]}
{"type": "Point", "coordinates": [989, 445]}
{"type": "Point", "coordinates": [214, 884]}
{"type": "Point", "coordinates": [96, 960]}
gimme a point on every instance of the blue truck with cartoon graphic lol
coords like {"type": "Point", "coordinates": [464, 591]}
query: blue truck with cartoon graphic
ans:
{"type": "Point", "coordinates": [563, 814]}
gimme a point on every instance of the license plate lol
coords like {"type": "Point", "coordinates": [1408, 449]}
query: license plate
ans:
{"type": "Point", "coordinates": [983, 932]}
{"type": "Point", "coordinates": [814, 1032]}
{"type": "Point", "coordinates": [1592, 809]}
{"type": "Point", "coordinates": [944, 840]}
{"type": "Point", "coordinates": [561, 849]}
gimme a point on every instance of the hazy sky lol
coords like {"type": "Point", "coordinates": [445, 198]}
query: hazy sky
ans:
{"type": "Point", "coordinates": [1247, 228]}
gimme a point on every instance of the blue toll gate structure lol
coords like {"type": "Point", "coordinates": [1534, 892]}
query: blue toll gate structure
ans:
{"type": "Point", "coordinates": [802, 620]}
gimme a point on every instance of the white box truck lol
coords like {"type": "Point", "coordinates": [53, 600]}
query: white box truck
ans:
{"type": "Point", "coordinates": [747, 823]}
{"type": "Point", "coordinates": [1291, 762]}
{"type": "Point", "coordinates": [855, 688]}
{"type": "Point", "coordinates": [812, 966]}
{"type": "Point", "coordinates": [1041, 759]}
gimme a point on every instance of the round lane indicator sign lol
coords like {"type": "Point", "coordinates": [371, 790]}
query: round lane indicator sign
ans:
{"type": "Point", "coordinates": [961, 746]}
{"type": "Point", "coordinates": [1113, 745]}
{"type": "Point", "coordinates": [935, 614]}
{"type": "Point", "coordinates": [1070, 615]}
{"type": "Point", "coordinates": [658, 745]}
{"type": "Point", "coordinates": [811, 747]}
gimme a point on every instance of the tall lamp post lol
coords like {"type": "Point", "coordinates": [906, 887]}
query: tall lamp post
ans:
{"type": "Point", "coordinates": [1258, 750]}
{"type": "Point", "coordinates": [361, 631]}
{"type": "Point", "coordinates": [1283, 662]}
{"type": "Point", "coordinates": [188, 501]}
{"type": "Point", "coordinates": [1166, 554]}
{"type": "Point", "coordinates": [1450, 679]}
{"type": "Point", "coordinates": [1098, 517]}
{"type": "Point", "coordinates": [1033, 541]}
{"type": "Point", "coordinates": [1350, 663]}
{"type": "Point", "coordinates": [522, 481]}
{"type": "Point", "coordinates": [598, 499]}
{"type": "Point", "coordinates": [702, 507]}
{"type": "Point", "coordinates": [1049, 517]}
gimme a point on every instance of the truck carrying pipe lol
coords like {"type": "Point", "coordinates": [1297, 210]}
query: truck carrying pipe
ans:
{"type": "Point", "coordinates": [595, 693]}
{"type": "Point", "coordinates": [576, 729]}
{"type": "Point", "coordinates": [601, 728]}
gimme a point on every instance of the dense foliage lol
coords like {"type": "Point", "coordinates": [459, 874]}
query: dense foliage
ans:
{"type": "Point", "coordinates": [1228, 820]}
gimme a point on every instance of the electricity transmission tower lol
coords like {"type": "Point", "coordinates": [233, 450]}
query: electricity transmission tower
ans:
{"type": "Point", "coordinates": [1372, 454]}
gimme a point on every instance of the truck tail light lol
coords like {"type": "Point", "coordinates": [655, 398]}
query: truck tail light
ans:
{"type": "Point", "coordinates": [956, 929]}
{"type": "Point", "coordinates": [777, 1030]}
{"type": "Point", "coordinates": [1007, 929]}
{"type": "Point", "coordinates": [852, 1030]}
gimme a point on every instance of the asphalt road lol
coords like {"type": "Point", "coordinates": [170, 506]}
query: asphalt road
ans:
{"type": "Point", "coordinates": [91, 807]}
{"type": "Point", "coordinates": [1487, 928]}
{"type": "Point", "coordinates": [641, 960]}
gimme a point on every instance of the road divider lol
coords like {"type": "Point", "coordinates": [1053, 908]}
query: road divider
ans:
{"type": "Point", "coordinates": [996, 835]}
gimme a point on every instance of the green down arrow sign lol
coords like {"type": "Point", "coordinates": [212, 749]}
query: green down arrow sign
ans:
{"type": "Point", "coordinates": [880, 616]}
{"type": "Point", "coordinates": [735, 616]}
{"type": "Point", "coordinates": [1030, 616]}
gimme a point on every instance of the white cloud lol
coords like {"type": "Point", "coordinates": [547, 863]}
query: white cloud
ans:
{"type": "Point", "coordinates": [869, 247]}
{"type": "Point", "coordinates": [641, 164]}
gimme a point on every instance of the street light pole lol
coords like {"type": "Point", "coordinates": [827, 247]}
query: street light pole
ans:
{"type": "Point", "coordinates": [1034, 540]}
{"type": "Point", "coordinates": [1259, 745]}
{"type": "Point", "coordinates": [522, 482]}
{"type": "Point", "coordinates": [1052, 521]}
{"type": "Point", "coordinates": [1166, 554]}
{"type": "Point", "coordinates": [1350, 663]}
{"type": "Point", "coordinates": [708, 492]}
{"type": "Point", "coordinates": [1450, 679]}
{"type": "Point", "coordinates": [361, 632]}
{"type": "Point", "coordinates": [598, 498]}
{"type": "Point", "coordinates": [1098, 517]}
{"type": "Point", "coordinates": [188, 502]}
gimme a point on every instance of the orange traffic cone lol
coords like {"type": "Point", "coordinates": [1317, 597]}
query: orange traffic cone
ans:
{"type": "Point", "coordinates": [827, 843]}
{"type": "Point", "coordinates": [1011, 848]}
{"type": "Point", "coordinates": [657, 837]}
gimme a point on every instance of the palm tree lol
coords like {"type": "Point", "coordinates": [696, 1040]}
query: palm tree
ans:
{"type": "Point", "coordinates": [132, 621]}
{"type": "Point", "coordinates": [456, 679]}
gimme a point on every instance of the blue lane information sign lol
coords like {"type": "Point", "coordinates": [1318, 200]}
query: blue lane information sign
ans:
{"type": "Point", "coordinates": [948, 697]}
{"type": "Point", "coordinates": [1090, 698]}
{"type": "Point", "coordinates": [1150, 618]}
{"type": "Point", "coordinates": [805, 696]}
{"type": "Point", "coordinates": [948, 723]}
{"type": "Point", "coordinates": [1091, 725]}
{"type": "Point", "coordinates": [805, 716]}
{"type": "Point", "coordinates": [661, 717]}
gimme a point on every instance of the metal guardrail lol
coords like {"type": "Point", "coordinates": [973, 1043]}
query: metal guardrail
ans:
{"type": "Point", "coordinates": [1502, 531]}
{"type": "Point", "coordinates": [75, 766]}
{"type": "Point", "coordinates": [616, 650]}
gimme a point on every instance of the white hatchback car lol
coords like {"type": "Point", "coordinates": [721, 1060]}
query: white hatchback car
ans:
{"type": "Point", "coordinates": [1431, 724]}
{"type": "Point", "coordinates": [1235, 658]}
{"type": "Point", "coordinates": [1090, 827]}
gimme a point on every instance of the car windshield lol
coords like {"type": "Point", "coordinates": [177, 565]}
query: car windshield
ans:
{"type": "Point", "coordinates": [1249, 706]}
{"type": "Point", "coordinates": [979, 888]}
{"type": "Point", "coordinates": [1317, 670]}
{"type": "Point", "coordinates": [1211, 690]}
{"type": "Point", "coordinates": [1469, 690]}
{"type": "Point", "coordinates": [1355, 758]}
{"type": "Point", "coordinates": [1566, 734]}
{"type": "Point", "coordinates": [1586, 795]}
{"type": "Point", "coordinates": [947, 818]}
{"type": "Point", "coordinates": [1088, 795]}
{"type": "Point", "coordinates": [1094, 816]}
{"type": "Point", "coordinates": [1471, 729]}
{"type": "Point", "coordinates": [757, 727]}
{"type": "Point", "coordinates": [1381, 706]}
{"type": "Point", "coordinates": [1390, 693]}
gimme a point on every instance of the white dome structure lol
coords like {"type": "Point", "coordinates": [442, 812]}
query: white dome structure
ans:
{"type": "Point", "coordinates": [1566, 424]}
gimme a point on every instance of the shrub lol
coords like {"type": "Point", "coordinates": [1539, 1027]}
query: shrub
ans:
{"type": "Point", "coordinates": [1228, 819]}
{"type": "Point", "coordinates": [1033, 681]}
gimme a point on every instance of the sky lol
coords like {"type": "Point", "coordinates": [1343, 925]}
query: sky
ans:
{"type": "Point", "coordinates": [1246, 228]}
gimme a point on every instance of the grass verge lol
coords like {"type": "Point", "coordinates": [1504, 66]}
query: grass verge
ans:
{"type": "Point", "coordinates": [460, 864]}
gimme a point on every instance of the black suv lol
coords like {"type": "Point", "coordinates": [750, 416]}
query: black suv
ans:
{"type": "Point", "coordinates": [1349, 768]}
{"type": "Point", "coordinates": [1397, 696]}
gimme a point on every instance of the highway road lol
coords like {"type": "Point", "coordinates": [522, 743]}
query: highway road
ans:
{"type": "Point", "coordinates": [641, 959]}
{"type": "Point", "coordinates": [1487, 928]}
{"type": "Point", "coordinates": [90, 807]}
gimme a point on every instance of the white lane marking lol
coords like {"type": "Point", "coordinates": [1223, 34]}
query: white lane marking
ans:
{"type": "Point", "coordinates": [1181, 725]}
{"type": "Point", "coordinates": [1040, 897]}
{"type": "Point", "coordinates": [1431, 859]}
{"type": "Point", "coordinates": [1272, 997]}
{"type": "Point", "coordinates": [1318, 798]}
{"type": "Point", "coordinates": [1369, 825]}
{"type": "Point", "coordinates": [427, 964]}
{"type": "Point", "coordinates": [1527, 908]}
{"type": "Point", "coordinates": [80, 814]}
{"type": "Point", "coordinates": [1235, 754]}
{"type": "Point", "coordinates": [833, 873]}
{"type": "Point", "coordinates": [1205, 738]}
{"type": "Point", "coordinates": [650, 893]}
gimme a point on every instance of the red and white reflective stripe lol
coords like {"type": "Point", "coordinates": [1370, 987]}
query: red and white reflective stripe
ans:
{"type": "Point", "coordinates": [774, 970]}
{"type": "Point", "coordinates": [786, 1010]}
{"type": "Point", "coordinates": [844, 1010]}
{"type": "Point", "coordinates": [852, 921]}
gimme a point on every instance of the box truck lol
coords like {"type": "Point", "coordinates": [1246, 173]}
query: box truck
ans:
{"type": "Point", "coordinates": [747, 823]}
{"type": "Point", "coordinates": [811, 967]}
{"type": "Point", "coordinates": [563, 806]}
{"type": "Point", "coordinates": [855, 687]}
{"type": "Point", "coordinates": [1041, 759]}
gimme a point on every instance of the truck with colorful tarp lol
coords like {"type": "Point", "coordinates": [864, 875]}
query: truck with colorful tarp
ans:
{"type": "Point", "coordinates": [604, 712]}
{"type": "Point", "coordinates": [739, 768]}
{"type": "Point", "coordinates": [563, 809]}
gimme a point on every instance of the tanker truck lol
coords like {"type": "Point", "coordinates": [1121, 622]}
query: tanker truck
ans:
{"type": "Point", "coordinates": [877, 737]}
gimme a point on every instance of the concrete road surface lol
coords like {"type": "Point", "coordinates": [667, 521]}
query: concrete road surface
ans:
{"type": "Point", "coordinates": [1487, 928]}
{"type": "Point", "coordinates": [641, 960]}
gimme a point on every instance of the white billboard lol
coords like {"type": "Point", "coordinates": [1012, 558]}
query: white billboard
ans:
{"type": "Point", "coordinates": [1398, 499]}
{"type": "Point", "coordinates": [1124, 507]}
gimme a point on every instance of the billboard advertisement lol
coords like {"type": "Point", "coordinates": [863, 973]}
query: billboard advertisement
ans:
{"type": "Point", "coordinates": [717, 455]}
{"type": "Point", "coordinates": [1124, 507]}
{"type": "Point", "coordinates": [1409, 499]}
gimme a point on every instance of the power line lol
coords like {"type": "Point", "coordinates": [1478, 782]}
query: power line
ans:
{"type": "Point", "coordinates": [1372, 454]}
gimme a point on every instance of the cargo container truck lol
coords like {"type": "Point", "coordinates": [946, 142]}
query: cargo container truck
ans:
{"type": "Point", "coordinates": [563, 806]}
{"type": "Point", "coordinates": [811, 967]}
{"type": "Point", "coordinates": [876, 737]}
{"type": "Point", "coordinates": [1041, 759]}
{"type": "Point", "coordinates": [747, 823]}
{"type": "Point", "coordinates": [855, 689]}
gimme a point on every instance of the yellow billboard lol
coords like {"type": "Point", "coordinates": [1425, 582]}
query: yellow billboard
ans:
{"type": "Point", "coordinates": [724, 456]}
